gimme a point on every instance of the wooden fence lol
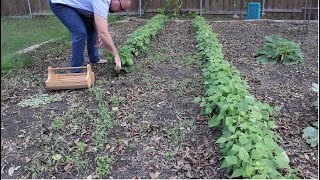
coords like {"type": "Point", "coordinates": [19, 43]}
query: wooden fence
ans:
{"type": "Point", "coordinates": [35, 7]}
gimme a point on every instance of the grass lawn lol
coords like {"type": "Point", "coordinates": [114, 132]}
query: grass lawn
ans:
{"type": "Point", "coordinates": [17, 34]}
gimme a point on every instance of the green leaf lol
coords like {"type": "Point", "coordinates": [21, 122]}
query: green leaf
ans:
{"type": "Point", "coordinates": [221, 140]}
{"type": "Point", "coordinates": [243, 154]}
{"type": "Point", "coordinates": [265, 115]}
{"type": "Point", "coordinates": [56, 157]}
{"type": "Point", "coordinates": [235, 148]}
{"type": "Point", "coordinates": [271, 124]}
{"type": "Point", "coordinates": [256, 154]}
{"type": "Point", "coordinates": [225, 164]}
{"type": "Point", "coordinates": [210, 92]}
{"type": "Point", "coordinates": [237, 173]}
{"type": "Point", "coordinates": [261, 176]}
{"type": "Point", "coordinates": [214, 121]}
{"type": "Point", "coordinates": [231, 160]}
{"type": "Point", "coordinates": [265, 60]}
{"type": "Point", "coordinates": [208, 110]}
{"type": "Point", "coordinates": [310, 134]}
{"type": "Point", "coordinates": [282, 160]}
{"type": "Point", "coordinates": [243, 139]}
{"type": "Point", "coordinates": [232, 128]}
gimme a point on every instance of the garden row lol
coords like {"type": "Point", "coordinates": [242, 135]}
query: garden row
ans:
{"type": "Point", "coordinates": [248, 144]}
{"type": "Point", "coordinates": [139, 39]}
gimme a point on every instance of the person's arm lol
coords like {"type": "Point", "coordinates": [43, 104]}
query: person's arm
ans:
{"type": "Point", "coordinates": [101, 25]}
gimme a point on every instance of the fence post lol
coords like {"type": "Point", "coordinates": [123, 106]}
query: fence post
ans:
{"type": "Point", "coordinates": [29, 6]}
{"type": "Point", "coordinates": [140, 13]}
{"type": "Point", "coordinates": [200, 7]}
{"type": "Point", "coordinates": [263, 3]}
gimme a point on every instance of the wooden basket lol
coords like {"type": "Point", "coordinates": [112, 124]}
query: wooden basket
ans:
{"type": "Point", "coordinates": [70, 80]}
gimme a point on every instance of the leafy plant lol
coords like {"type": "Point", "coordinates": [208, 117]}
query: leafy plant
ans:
{"type": "Point", "coordinates": [247, 142]}
{"type": "Point", "coordinates": [39, 100]}
{"type": "Point", "coordinates": [310, 134]}
{"type": "Point", "coordinates": [103, 165]}
{"type": "Point", "coordinates": [278, 49]}
{"type": "Point", "coordinates": [138, 41]}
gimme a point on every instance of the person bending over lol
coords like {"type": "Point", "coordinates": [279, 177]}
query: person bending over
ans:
{"type": "Point", "coordinates": [87, 20]}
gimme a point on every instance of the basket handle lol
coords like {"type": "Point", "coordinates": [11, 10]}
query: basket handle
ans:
{"type": "Point", "coordinates": [66, 68]}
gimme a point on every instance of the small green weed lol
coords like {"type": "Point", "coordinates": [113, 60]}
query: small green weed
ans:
{"type": "Point", "coordinates": [169, 155]}
{"type": "Point", "coordinates": [181, 87]}
{"type": "Point", "coordinates": [103, 165]}
{"type": "Point", "coordinates": [117, 101]}
{"type": "Point", "coordinates": [39, 100]}
{"type": "Point", "coordinates": [98, 92]}
{"type": "Point", "coordinates": [157, 57]}
{"type": "Point", "coordinates": [58, 124]}
{"type": "Point", "coordinates": [132, 146]}
{"type": "Point", "coordinates": [190, 59]}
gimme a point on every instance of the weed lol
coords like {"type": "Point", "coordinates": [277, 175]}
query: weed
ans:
{"type": "Point", "coordinates": [102, 124]}
{"type": "Point", "coordinates": [175, 134]}
{"type": "Point", "coordinates": [144, 131]}
{"type": "Point", "coordinates": [169, 155]}
{"type": "Point", "coordinates": [132, 146]}
{"type": "Point", "coordinates": [157, 57]}
{"type": "Point", "coordinates": [39, 100]}
{"type": "Point", "coordinates": [98, 92]}
{"type": "Point", "coordinates": [146, 79]}
{"type": "Point", "coordinates": [116, 101]}
{"type": "Point", "coordinates": [58, 124]}
{"type": "Point", "coordinates": [181, 87]}
{"type": "Point", "coordinates": [103, 165]}
{"type": "Point", "coordinates": [190, 59]}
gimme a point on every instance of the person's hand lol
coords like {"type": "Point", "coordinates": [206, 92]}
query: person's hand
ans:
{"type": "Point", "coordinates": [98, 42]}
{"type": "Point", "coordinates": [118, 63]}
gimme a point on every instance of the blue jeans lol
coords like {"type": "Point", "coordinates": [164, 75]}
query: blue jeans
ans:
{"type": "Point", "coordinates": [82, 29]}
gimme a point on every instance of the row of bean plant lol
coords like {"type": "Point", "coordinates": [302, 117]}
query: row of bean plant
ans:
{"type": "Point", "coordinates": [139, 40]}
{"type": "Point", "coordinates": [248, 144]}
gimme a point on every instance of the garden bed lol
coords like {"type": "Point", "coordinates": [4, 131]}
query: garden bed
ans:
{"type": "Point", "coordinates": [157, 130]}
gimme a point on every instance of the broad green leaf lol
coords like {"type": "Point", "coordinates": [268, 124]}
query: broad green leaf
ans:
{"type": "Point", "coordinates": [221, 140]}
{"type": "Point", "coordinates": [231, 160]}
{"type": "Point", "coordinates": [214, 121]}
{"type": "Point", "coordinates": [243, 139]}
{"type": "Point", "coordinates": [235, 148]}
{"type": "Point", "coordinates": [261, 176]}
{"type": "Point", "coordinates": [243, 154]}
{"type": "Point", "coordinates": [208, 110]}
{"type": "Point", "coordinates": [271, 124]}
{"type": "Point", "coordinates": [282, 160]}
{"type": "Point", "coordinates": [237, 173]}
{"type": "Point", "coordinates": [265, 60]}
{"type": "Point", "coordinates": [197, 100]}
{"type": "Point", "coordinates": [256, 154]}
{"type": "Point", "coordinates": [310, 134]}
{"type": "Point", "coordinates": [232, 128]}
